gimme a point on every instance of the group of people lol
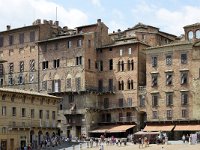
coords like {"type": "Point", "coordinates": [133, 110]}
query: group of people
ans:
{"type": "Point", "coordinates": [186, 138]}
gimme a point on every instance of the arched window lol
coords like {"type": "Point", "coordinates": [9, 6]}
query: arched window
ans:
{"type": "Point", "coordinates": [121, 85]}
{"type": "Point", "coordinates": [122, 65]}
{"type": "Point", "coordinates": [190, 35]}
{"type": "Point", "coordinates": [128, 67]}
{"type": "Point", "coordinates": [119, 66]}
{"type": "Point", "coordinates": [198, 34]}
{"type": "Point", "coordinates": [130, 84]}
{"type": "Point", "coordinates": [132, 65]}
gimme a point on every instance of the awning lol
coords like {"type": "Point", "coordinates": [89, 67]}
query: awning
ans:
{"type": "Point", "coordinates": [112, 129]}
{"type": "Point", "coordinates": [158, 128]}
{"type": "Point", "coordinates": [121, 128]}
{"type": "Point", "coordinates": [187, 128]}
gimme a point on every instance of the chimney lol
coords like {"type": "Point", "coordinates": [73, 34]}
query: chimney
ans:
{"type": "Point", "coordinates": [56, 23]}
{"type": "Point", "coordinates": [8, 27]}
{"type": "Point", "coordinates": [98, 21]}
{"type": "Point", "coordinates": [45, 21]}
{"type": "Point", "coordinates": [51, 22]}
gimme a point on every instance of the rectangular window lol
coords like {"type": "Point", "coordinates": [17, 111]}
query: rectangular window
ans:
{"type": "Point", "coordinates": [11, 39]}
{"type": "Point", "coordinates": [56, 85]}
{"type": "Point", "coordinates": [89, 64]}
{"type": "Point", "coordinates": [169, 99]}
{"type": "Point", "coordinates": [78, 83]}
{"type": "Point", "coordinates": [40, 114]}
{"type": "Point", "coordinates": [120, 52]}
{"type": "Point", "coordinates": [23, 112]}
{"type": "Point", "coordinates": [129, 116]}
{"type": "Point", "coordinates": [56, 63]}
{"type": "Point", "coordinates": [45, 65]}
{"type": "Point", "coordinates": [155, 114]}
{"type": "Point", "coordinates": [110, 85]}
{"type": "Point", "coordinates": [21, 38]}
{"type": "Point", "coordinates": [21, 79]}
{"type": "Point", "coordinates": [184, 98]}
{"type": "Point", "coordinates": [184, 113]}
{"type": "Point", "coordinates": [1, 82]}
{"type": "Point", "coordinates": [120, 117]}
{"type": "Point", "coordinates": [14, 111]}
{"type": "Point", "coordinates": [129, 102]}
{"type": "Point", "coordinates": [101, 65]}
{"type": "Point", "coordinates": [154, 61]}
{"type": "Point", "coordinates": [111, 64]}
{"type": "Point", "coordinates": [10, 80]}
{"type": "Point", "coordinates": [100, 86]}
{"type": "Point", "coordinates": [11, 68]}
{"type": "Point", "coordinates": [183, 58]}
{"type": "Point", "coordinates": [1, 69]}
{"type": "Point", "coordinates": [169, 114]}
{"type": "Point", "coordinates": [154, 80]}
{"type": "Point", "coordinates": [21, 66]}
{"type": "Point", "coordinates": [184, 77]}
{"type": "Point", "coordinates": [169, 60]}
{"type": "Point", "coordinates": [129, 51]}
{"type": "Point", "coordinates": [155, 100]}
{"type": "Point", "coordinates": [142, 101]}
{"type": "Point", "coordinates": [69, 44]}
{"type": "Point", "coordinates": [79, 60]}
{"type": "Point", "coordinates": [79, 43]}
{"type": "Point", "coordinates": [106, 103]}
{"type": "Point", "coordinates": [47, 114]}
{"type": "Point", "coordinates": [69, 83]}
{"type": "Point", "coordinates": [168, 78]}
{"type": "Point", "coordinates": [32, 65]}
{"type": "Point", "coordinates": [53, 115]}
{"type": "Point", "coordinates": [120, 102]}
{"type": "Point", "coordinates": [32, 113]}
{"type": "Point", "coordinates": [71, 98]}
{"type": "Point", "coordinates": [32, 36]}
{"type": "Point", "coordinates": [3, 110]}
{"type": "Point", "coordinates": [44, 85]}
{"type": "Point", "coordinates": [1, 41]}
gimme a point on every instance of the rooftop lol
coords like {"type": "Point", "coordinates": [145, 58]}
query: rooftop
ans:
{"type": "Point", "coordinates": [26, 92]}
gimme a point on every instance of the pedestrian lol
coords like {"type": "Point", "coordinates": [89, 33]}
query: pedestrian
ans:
{"type": "Point", "coordinates": [183, 138]}
{"type": "Point", "coordinates": [140, 143]}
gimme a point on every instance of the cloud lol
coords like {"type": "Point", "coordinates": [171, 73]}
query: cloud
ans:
{"type": "Point", "coordinates": [24, 12]}
{"type": "Point", "coordinates": [167, 20]}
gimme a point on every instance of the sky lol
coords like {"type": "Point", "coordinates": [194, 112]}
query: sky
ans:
{"type": "Point", "coordinates": [168, 15]}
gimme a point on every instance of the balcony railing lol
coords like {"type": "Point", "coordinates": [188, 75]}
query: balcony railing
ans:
{"type": "Point", "coordinates": [142, 89]}
{"type": "Point", "coordinates": [114, 105]}
{"type": "Point", "coordinates": [121, 119]}
{"type": "Point", "coordinates": [33, 124]}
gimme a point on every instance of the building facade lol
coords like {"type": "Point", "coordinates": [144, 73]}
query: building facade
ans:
{"type": "Point", "coordinates": [18, 47]}
{"type": "Point", "coordinates": [26, 118]}
{"type": "Point", "coordinates": [172, 84]}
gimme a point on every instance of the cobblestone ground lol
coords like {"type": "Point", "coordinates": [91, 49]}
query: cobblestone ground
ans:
{"type": "Point", "coordinates": [151, 147]}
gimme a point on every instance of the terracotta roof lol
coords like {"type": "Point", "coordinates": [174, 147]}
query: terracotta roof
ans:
{"type": "Point", "coordinates": [27, 92]}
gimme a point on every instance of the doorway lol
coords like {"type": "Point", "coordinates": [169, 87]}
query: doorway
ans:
{"type": "Point", "coordinates": [3, 144]}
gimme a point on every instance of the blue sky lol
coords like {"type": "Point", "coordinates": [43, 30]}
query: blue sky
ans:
{"type": "Point", "coordinates": [168, 15]}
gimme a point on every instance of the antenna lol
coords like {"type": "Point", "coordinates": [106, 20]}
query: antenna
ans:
{"type": "Point", "coordinates": [56, 13]}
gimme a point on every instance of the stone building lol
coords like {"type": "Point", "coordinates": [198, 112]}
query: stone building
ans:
{"type": "Point", "coordinates": [26, 118]}
{"type": "Point", "coordinates": [172, 90]}
{"type": "Point", "coordinates": [18, 47]}
{"type": "Point", "coordinates": [68, 69]}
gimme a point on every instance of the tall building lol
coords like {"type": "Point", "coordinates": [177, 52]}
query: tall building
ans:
{"type": "Point", "coordinates": [26, 118]}
{"type": "Point", "coordinates": [18, 47]}
{"type": "Point", "coordinates": [172, 88]}
{"type": "Point", "coordinates": [67, 69]}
